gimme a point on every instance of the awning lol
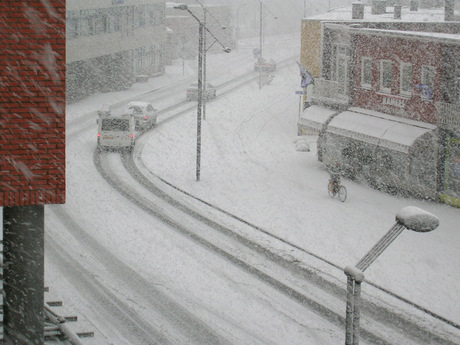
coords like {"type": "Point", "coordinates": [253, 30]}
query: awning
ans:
{"type": "Point", "coordinates": [314, 117]}
{"type": "Point", "coordinates": [379, 129]}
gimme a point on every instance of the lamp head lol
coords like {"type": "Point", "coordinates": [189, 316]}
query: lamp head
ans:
{"type": "Point", "coordinates": [183, 7]}
{"type": "Point", "coordinates": [416, 219]}
{"type": "Point", "coordinates": [227, 49]}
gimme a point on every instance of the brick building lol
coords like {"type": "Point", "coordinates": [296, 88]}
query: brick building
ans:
{"type": "Point", "coordinates": [32, 154]}
{"type": "Point", "coordinates": [386, 104]}
{"type": "Point", "coordinates": [32, 97]}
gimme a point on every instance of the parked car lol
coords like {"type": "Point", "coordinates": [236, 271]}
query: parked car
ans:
{"type": "Point", "coordinates": [144, 114]}
{"type": "Point", "coordinates": [265, 65]}
{"type": "Point", "coordinates": [115, 132]}
{"type": "Point", "coordinates": [192, 92]}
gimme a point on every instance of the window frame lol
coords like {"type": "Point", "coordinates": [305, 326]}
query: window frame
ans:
{"type": "Point", "coordinates": [364, 84]}
{"type": "Point", "coordinates": [382, 88]}
{"type": "Point", "coordinates": [423, 73]}
{"type": "Point", "coordinates": [401, 79]}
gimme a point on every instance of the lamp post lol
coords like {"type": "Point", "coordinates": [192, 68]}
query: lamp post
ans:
{"type": "Point", "coordinates": [201, 68]}
{"type": "Point", "coordinates": [411, 218]}
{"type": "Point", "coordinates": [261, 40]}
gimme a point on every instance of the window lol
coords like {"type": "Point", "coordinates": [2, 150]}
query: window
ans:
{"type": "Point", "coordinates": [406, 79]}
{"type": "Point", "coordinates": [458, 89]}
{"type": "Point", "coordinates": [116, 125]}
{"type": "Point", "coordinates": [366, 72]}
{"type": "Point", "coordinates": [72, 28]}
{"type": "Point", "coordinates": [140, 14]}
{"type": "Point", "coordinates": [86, 26]}
{"type": "Point", "coordinates": [114, 20]}
{"type": "Point", "coordinates": [427, 86]}
{"type": "Point", "coordinates": [386, 76]}
{"type": "Point", "coordinates": [100, 22]}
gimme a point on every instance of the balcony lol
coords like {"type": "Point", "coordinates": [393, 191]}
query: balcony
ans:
{"type": "Point", "coordinates": [448, 116]}
{"type": "Point", "coordinates": [331, 93]}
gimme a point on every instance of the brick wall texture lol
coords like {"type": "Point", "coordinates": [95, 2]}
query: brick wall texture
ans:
{"type": "Point", "coordinates": [32, 102]}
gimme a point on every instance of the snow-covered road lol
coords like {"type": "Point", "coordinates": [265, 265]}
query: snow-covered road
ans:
{"type": "Point", "coordinates": [250, 168]}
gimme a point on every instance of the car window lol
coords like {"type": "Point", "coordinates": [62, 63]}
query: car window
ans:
{"type": "Point", "coordinates": [117, 125]}
{"type": "Point", "coordinates": [150, 107]}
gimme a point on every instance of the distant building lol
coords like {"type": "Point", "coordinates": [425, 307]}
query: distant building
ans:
{"type": "Point", "coordinates": [110, 43]}
{"type": "Point", "coordinates": [386, 103]}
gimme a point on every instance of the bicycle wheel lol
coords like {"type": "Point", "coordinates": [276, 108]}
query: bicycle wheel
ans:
{"type": "Point", "coordinates": [342, 193]}
{"type": "Point", "coordinates": [330, 189]}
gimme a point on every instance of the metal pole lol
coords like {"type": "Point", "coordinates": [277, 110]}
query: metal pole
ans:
{"type": "Point", "coordinates": [260, 46]}
{"type": "Point", "coordinates": [349, 312]}
{"type": "Point", "coordinates": [356, 311]}
{"type": "Point", "coordinates": [409, 217]}
{"type": "Point", "coordinates": [204, 66]}
{"type": "Point", "coordinates": [300, 105]}
{"type": "Point", "coordinates": [200, 100]}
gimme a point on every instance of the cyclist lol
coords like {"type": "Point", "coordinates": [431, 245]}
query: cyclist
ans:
{"type": "Point", "coordinates": [335, 173]}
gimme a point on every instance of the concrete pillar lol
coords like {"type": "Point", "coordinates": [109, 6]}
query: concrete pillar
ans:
{"type": "Point", "coordinates": [23, 275]}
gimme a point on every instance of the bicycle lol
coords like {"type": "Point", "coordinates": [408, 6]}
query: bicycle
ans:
{"type": "Point", "coordinates": [337, 189]}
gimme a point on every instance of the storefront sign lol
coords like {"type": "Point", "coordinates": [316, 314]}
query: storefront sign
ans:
{"type": "Point", "coordinates": [396, 102]}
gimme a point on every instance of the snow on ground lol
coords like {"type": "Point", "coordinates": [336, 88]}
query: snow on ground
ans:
{"type": "Point", "coordinates": [250, 167]}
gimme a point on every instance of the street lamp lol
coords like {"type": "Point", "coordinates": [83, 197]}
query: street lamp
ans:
{"type": "Point", "coordinates": [201, 67]}
{"type": "Point", "coordinates": [411, 218]}
{"type": "Point", "coordinates": [261, 40]}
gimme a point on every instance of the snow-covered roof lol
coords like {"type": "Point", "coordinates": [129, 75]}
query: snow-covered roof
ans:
{"type": "Point", "coordinates": [446, 37]}
{"type": "Point", "coordinates": [378, 129]}
{"type": "Point", "coordinates": [345, 13]}
{"type": "Point", "coordinates": [315, 116]}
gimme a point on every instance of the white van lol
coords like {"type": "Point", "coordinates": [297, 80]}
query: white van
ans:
{"type": "Point", "coordinates": [115, 132]}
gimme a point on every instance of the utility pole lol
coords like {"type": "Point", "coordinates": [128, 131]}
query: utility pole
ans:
{"type": "Point", "coordinates": [200, 99]}
{"type": "Point", "coordinates": [260, 45]}
{"type": "Point", "coordinates": [201, 68]}
{"type": "Point", "coordinates": [204, 64]}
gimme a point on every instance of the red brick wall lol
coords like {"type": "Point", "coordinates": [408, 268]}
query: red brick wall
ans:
{"type": "Point", "coordinates": [32, 102]}
{"type": "Point", "coordinates": [416, 52]}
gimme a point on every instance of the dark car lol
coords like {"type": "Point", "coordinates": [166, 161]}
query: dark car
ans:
{"type": "Point", "coordinates": [265, 65]}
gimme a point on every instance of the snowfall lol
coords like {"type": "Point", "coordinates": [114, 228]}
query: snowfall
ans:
{"type": "Point", "coordinates": [253, 165]}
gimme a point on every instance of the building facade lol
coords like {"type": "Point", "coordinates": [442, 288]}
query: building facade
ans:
{"type": "Point", "coordinates": [111, 43]}
{"type": "Point", "coordinates": [392, 92]}
{"type": "Point", "coordinates": [32, 155]}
